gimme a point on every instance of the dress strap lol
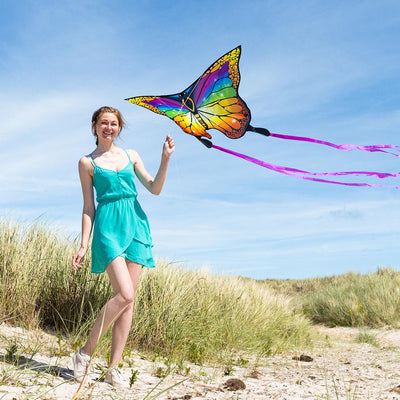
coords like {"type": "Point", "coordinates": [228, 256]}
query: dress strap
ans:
{"type": "Point", "coordinates": [129, 159]}
{"type": "Point", "coordinates": [94, 162]}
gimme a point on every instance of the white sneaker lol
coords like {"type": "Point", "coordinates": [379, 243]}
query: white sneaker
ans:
{"type": "Point", "coordinates": [81, 366]}
{"type": "Point", "coordinates": [114, 377]}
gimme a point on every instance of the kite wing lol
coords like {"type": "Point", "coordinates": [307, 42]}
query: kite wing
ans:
{"type": "Point", "coordinates": [172, 107]}
{"type": "Point", "coordinates": [211, 102]}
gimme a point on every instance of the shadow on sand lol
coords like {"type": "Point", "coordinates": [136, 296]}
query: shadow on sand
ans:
{"type": "Point", "coordinates": [22, 362]}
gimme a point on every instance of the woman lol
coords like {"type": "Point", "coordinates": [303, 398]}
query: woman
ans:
{"type": "Point", "coordinates": [121, 243]}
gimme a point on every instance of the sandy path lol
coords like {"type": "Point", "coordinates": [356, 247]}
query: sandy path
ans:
{"type": "Point", "coordinates": [340, 369]}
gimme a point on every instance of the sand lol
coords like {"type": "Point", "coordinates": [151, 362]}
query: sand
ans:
{"type": "Point", "coordinates": [337, 367]}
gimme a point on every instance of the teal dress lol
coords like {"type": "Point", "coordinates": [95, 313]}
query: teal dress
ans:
{"type": "Point", "coordinates": [121, 227]}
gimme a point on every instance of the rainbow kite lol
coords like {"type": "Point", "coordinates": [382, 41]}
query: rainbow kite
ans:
{"type": "Point", "coordinates": [213, 102]}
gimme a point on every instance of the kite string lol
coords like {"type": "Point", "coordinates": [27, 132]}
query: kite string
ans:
{"type": "Point", "coordinates": [345, 146]}
{"type": "Point", "coordinates": [296, 172]}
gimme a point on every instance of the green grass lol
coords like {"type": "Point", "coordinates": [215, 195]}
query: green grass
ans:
{"type": "Point", "coordinates": [39, 287]}
{"type": "Point", "coordinates": [183, 315]}
{"type": "Point", "coordinates": [351, 299]}
{"type": "Point", "coordinates": [198, 315]}
{"type": "Point", "coordinates": [367, 337]}
{"type": "Point", "coordinates": [180, 314]}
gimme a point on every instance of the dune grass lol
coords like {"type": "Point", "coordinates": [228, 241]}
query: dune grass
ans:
{"type": "Point", "coordinates": [183, 314]}
{"type": "Point", "coordinates": [38, 286]}
{"type": "Point", "coordinates": [180, 314]}
{"type": "Point", "coordinates": [350, 299]}
{"type": "Point", "coordinates": [200, 316]}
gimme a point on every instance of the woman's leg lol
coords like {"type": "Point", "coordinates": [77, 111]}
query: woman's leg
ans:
{"type": "Point", "coordinates": [124, 294]}
{"type": "Point", "coordinates": [123, 324]}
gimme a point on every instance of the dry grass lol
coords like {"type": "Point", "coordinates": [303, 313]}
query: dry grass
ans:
{"type": "Point", "coordinates": [180, 314]}
{"type": "Point", "coordinates": [351, 299]}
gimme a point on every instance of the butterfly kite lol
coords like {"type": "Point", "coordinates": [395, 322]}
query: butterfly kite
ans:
{"type": "Point", "coordinates": [213, 102]}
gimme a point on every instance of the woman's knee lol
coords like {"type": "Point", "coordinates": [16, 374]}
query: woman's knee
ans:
{"type": "Point", "coordinates": [126, 297]}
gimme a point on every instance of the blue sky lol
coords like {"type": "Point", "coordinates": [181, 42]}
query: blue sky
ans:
{"type": "Point", "coordinates": [328, 70]}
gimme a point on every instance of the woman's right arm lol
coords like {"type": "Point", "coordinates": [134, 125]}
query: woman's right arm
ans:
{"type": "Point", "coordinates": [85, 174]}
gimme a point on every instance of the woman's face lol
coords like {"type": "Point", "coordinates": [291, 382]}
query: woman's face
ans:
{"type": "Point", "coordinates": [107, 127]}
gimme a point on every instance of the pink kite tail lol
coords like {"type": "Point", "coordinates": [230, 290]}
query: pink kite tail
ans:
{"type": "Point", "coordinates": [344, 147]}
{"type": "Point", "coordinates": [297, 173]}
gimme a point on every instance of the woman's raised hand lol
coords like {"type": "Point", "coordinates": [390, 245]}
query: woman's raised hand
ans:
{"type": "Point", "coordinates": [169, 146]}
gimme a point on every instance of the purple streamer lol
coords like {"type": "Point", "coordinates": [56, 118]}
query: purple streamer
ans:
{"type": "Point", "coordinates": [344, 147]}
{"type": "Point", "coordinates": [295, 172]}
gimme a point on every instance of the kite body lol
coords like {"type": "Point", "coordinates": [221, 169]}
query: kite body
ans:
{"type": "Point", "coordinates": [211, 102]}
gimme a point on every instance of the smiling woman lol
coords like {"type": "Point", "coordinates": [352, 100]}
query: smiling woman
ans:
{"type": "Point", "coordinates": [122, 242]}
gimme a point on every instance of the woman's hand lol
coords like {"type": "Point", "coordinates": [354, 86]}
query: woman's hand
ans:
{"type": "Point", "coordinates": [76, 259]}
{"type": "Point", "coordinates": [169, 147]}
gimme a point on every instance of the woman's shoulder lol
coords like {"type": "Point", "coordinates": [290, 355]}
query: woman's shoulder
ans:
{"type": "Point", "coordinates": [86, 159]}
{"type": "Point", "coordinates": [133, 155]}
{"type": "Point", "coordinates": [86, 162]}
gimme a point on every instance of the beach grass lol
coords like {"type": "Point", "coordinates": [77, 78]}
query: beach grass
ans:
{"type": "Point", "coordinates": [180, 314]}
{"type": "Point", "coordinates": [199, 316]}
{"type": "Point", "coordinates": [351, 299]}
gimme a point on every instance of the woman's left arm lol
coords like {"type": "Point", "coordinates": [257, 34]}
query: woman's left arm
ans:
{"type": "Point", "coordinates": [154, 185]}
